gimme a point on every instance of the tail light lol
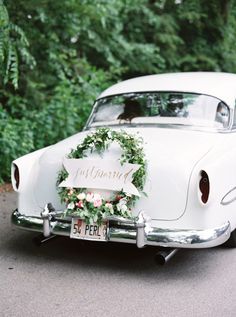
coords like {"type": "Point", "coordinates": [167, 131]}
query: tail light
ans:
{"type": "Point", "coordinates": [204, 186]}
{"type": "Point", "coordinates": [15, 176]}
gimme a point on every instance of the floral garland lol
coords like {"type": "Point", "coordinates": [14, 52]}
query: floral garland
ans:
{"type": "Point", "coordinates": [91, 206]}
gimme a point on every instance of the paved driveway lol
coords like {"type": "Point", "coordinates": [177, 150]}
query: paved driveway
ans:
{"type": "Point", "coordinates": [69, 278]}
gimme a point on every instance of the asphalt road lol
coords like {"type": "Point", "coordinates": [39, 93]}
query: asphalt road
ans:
{"type": "Point", "coordinates": [68, 278]}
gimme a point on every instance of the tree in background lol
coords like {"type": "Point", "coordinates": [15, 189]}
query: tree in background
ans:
{"type": "Point", "coordinates": [57, 56]}
{"type": "Point", "coordinates": [13, 45]}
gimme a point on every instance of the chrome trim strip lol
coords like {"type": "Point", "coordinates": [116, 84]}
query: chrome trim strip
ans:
{"type": "Point", "coordinates": [139, 232]}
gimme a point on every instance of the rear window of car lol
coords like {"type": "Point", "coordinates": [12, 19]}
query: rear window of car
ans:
{"type": "Point", "coordinates": [150, 108]}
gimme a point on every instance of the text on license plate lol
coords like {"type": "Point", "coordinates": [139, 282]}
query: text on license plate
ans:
{"type": "Point", "coordinates": [81, 230]}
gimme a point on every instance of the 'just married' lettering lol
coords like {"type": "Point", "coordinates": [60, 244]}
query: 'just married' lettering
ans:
{"type": "Point", "coordinates": [95, 173]}
{"type": "Point", "coordinates": [101, 174]}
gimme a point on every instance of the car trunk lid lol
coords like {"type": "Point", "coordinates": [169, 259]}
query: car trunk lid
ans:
{"type": "Point", "coordinates": [171, 156]}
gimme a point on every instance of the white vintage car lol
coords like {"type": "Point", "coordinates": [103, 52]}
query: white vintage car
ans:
{"type": "Point", "coordinates": [155, 165]}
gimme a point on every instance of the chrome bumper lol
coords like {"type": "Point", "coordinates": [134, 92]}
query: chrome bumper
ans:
{"type": "Point", "coordinates": [136, 231]}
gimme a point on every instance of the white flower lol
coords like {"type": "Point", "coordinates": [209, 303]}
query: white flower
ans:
{"type": "Point", "coordinates": [123, 201]}
{"type": "Point", "coordinates": [124, 208]}
{"type": "Point", "coordinates": [110, 207]}
{"type": "Point", "coordinates": [71, 206]}
{"type": "Point", "coordinates": [81, 196]}
{"type": "Point", "coordinates": [121, 206]}
{"type": "Point", "coordinates": [89, 197]}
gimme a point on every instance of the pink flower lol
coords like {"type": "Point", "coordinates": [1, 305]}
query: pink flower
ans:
{"type": "Point", "coordinates": [97, 203]}
{"type": "Point", "coordinates": [79, 204]}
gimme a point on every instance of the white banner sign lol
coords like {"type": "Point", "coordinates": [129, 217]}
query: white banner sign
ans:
{"type": "Point", "coordinates": [100, 174]}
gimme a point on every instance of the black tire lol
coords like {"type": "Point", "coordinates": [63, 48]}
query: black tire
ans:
{"type": "Point", "coordinates": [231, 243]}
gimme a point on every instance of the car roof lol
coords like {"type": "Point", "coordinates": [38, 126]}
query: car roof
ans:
{"type": "Point", "coordinates": [219, 85]}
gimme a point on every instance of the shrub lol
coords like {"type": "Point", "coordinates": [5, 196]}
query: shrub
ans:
{"type": "Point", "coordinates": [16, 139]}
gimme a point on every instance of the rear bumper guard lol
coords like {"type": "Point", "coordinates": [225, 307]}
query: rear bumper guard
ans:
{"type": "Point", "coordinates": [138, 231]}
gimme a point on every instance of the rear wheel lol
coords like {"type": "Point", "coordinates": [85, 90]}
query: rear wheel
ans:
{"type": "Point", "coordinates": [231, 243]}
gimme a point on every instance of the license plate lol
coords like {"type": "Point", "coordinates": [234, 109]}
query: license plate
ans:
{"type": "Point", "coordinates": [81, 230]}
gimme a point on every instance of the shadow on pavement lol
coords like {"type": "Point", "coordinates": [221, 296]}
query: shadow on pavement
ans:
{"type": "Point", "coordinates": [109, 257]}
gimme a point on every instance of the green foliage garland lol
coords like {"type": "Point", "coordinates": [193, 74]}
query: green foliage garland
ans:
{"type": "Point", "coordinates": [92, 206]}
